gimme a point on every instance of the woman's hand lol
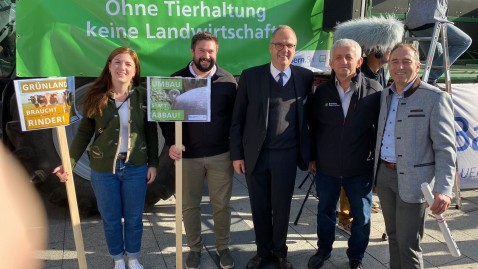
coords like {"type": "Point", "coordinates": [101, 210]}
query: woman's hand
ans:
{"type": "Point", "coordinates": [60, 173]}
{"type": "Point", "coordinates": [151, 176]}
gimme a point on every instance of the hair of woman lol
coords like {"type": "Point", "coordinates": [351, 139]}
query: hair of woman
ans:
{"type": "Point", "coordinates": [97, 97]}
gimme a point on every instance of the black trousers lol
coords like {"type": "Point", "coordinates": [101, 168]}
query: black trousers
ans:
{"type": "Point", "coordinates": [271, 186]}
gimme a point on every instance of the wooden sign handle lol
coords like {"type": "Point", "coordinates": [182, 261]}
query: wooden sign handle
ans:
{"type": "Point", "coordinates": [179, 196]}
{"type": "Point", "coordinates": [71, 193]}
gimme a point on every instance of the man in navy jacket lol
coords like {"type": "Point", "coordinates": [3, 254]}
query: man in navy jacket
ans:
{"type": "Point", "coordinates": [344, 112]}
{"type": "Point", "coordinates": [206, 153]}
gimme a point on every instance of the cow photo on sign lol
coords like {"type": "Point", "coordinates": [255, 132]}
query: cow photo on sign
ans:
{"type": "Point", "coordinates": [46, 102]}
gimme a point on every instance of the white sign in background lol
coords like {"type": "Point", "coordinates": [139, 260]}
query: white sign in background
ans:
{"type": "Point", "coordinates": [465, 99]}
{"type": "Point", "coordinates": [315, 60]}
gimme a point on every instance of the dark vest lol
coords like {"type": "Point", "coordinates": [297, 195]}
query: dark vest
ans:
{"type": "Point", "coordinates": [282, 125]}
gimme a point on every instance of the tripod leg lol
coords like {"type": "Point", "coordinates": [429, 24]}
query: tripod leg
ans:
{"type": "Point", "coordinates": [303, 180]}
{"type": "Point", "coordinates": [305, 199]}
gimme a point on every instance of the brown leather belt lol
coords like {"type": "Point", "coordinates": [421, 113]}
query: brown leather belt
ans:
{"type": "Point", "coordinates": [121, 156]}
{"type": "Point", "coordinates": [392, 166]}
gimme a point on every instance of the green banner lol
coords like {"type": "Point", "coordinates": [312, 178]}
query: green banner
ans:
{"type": "Point", "coordinates": [74, 37]}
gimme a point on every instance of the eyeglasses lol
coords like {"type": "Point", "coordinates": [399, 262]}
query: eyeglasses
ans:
{"type": "Point", "coordinates": [280, 46]}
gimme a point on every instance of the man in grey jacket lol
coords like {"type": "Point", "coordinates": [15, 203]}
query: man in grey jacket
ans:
{"type": "Point", "coordinates": [415, 144]}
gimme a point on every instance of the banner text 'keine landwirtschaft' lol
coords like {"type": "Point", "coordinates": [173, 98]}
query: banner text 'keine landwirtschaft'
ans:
{"type": "Point", "coordinates": [181, 9]}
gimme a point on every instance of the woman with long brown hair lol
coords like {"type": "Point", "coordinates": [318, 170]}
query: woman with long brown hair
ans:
{"type": "Point", "coordinates": [123, 154]}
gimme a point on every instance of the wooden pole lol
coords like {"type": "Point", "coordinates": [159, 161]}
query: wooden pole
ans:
{"type": "Point", "coordinates": [71, 193]}
{"type": "Point", "coordinates": [179, 196]}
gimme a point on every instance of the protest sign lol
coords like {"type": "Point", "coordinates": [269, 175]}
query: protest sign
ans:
{"type": "Point", "coordinates": [179, 99]}
{"type": "Point", "coordinates": [46, 102]}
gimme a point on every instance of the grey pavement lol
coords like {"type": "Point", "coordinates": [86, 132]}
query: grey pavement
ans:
{"type": "Point", "coordinates": [158, 246]}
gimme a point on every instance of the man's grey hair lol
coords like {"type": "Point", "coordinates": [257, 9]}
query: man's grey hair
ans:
{"type": "Point", "coordinates": [345, 42]}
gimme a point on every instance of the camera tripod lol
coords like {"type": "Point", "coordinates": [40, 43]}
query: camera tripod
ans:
{"type": "Point", "coordinates": [306, 195]}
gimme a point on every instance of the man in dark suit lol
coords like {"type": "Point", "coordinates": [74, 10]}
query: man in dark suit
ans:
{"type": "Point", "coordinates": [269, 139]}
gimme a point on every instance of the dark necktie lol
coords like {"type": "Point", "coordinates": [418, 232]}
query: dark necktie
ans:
{"type": "Point", "coordinates": [281, 81]}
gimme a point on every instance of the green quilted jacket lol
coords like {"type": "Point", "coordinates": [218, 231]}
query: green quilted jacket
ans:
{"type": "Point", "coordinates": [142, 136]}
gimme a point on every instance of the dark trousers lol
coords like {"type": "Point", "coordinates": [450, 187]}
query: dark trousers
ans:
{"type": "Point", "coordinates": [271, 185]}
{"type": "Point", "coordinates": [359, 192]}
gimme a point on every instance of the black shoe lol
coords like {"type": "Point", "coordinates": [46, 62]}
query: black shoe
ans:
{"type": "Point", "coordinates": [283, 263]}
{"type": "Point", "coordinates": [355, 264]}
{"type": "Point", "coordinates": [317, 260]}
{"type": "Point", "coordinates": [384, 237]}
{"type": "Point", "coordinates": [433, 83]}
{"type": "Point", "coordinates": [256, 262]}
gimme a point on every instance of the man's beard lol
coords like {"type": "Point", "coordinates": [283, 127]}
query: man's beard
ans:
{"type": "Point", "coordinates": [197, 63]}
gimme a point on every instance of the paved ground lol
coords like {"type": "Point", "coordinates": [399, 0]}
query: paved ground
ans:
{"type": "Point", "coordinates": [159, 236]}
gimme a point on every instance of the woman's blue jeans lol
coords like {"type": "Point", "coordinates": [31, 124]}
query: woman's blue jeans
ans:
{"type": "Point", "coordinates": [121, 195]}
{"type": "Point", "coordinates": [359, 193]}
